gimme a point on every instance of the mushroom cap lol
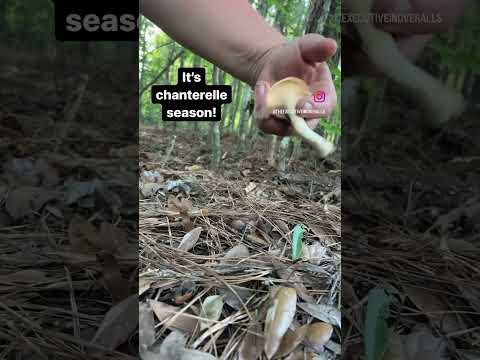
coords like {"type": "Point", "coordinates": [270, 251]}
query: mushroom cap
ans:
{"type": "Point", "coordinates": [286, 92]}
{"type": "Point", "coordinates": [318, 334]}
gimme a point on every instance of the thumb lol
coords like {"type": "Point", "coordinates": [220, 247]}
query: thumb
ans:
{"type": "Point", "coordinates": [261, 91]}
{"type": "Point", "coordinates": [316, 48]}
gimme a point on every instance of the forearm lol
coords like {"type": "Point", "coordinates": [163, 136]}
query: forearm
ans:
{"type": "Point", "coordinates": [230, 34]}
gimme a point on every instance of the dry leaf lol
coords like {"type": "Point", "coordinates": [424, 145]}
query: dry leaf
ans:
{"type": "Point", "coordinates": [297, 355]}
{"type": "Point", "coordinates": [434, 307]}
{"type": "Point", "coordinates": [282, 225]}
{"type": "Point", "coordinates": [211, 310]}
{"type": "Point", "coordinates": [326, 313]}
{"type": "Point", "coordinates": [82, 234]}
{"type": "Point", "coordinates": [144, 284]}
{"type": "Point", "coordinates": [152, 176]}
{"type": "Point", "coordinates": [290, 341]}
{"type": "Point", "coordinates": [333, 347]}
{"type": "Point", "coordinates": [314, 253]}
{"type": "Point", "coordinates": [146, 326]}
{"type": "Point", "coordinates": [170, 316]}
{"type": "Point", "coordinates": [421, 344]}
{"type": "Point", "coordinates": [112, 239]}
{"type": "Point", "coordinates": [149, 189]}
{"type": "Point", "coordinates": [245, 172]}
{"type": "Point", "coordinates": [290, 275]}
{"type": "Point", "coordinates": [238, 225]}
{"type": "Point", "coordinates": [195, 168]}
{"type": "Point", "coordinates": [238, 251]}
{"type": "Point", "coordinates": [28, 172]}
{"type": "Point", "coordinates": [116, 285]}
{"type": "Point", "coordinates": [118, 324]}
{"type": "Point", "coordinates": [190, 239]}
{"type": "Point", "coordinates": [77, 190]}
{"type": "Point", "coordinates": [256, 237]}
{"type": "Point", "coordinates": [321, 235]}
{"type": "Point", "coordinates": [182, 205]}
{"type": "Point", "coordinates": [54, 211]}
{"type": "Point", "coordinates": [196, 355]}
{"type": "Point", "coordinates": [252, 343]}
{"type": "Point", "coordinates": [47, 175]}
{"type": "Point", "coordinates": [173, 346]}
{"type": "Point", "coordinates": [109, 199]}
{"type": "Point", "coordinates": [279, 317]}
{"type": "Point", "coordinates": [21, 171]}
{"type": "Point", "coordinates": [250, 187]}
{"type": "Point", "coordinates": [27, 199]}
{"type": "Point", "coordinates": [236, 299]}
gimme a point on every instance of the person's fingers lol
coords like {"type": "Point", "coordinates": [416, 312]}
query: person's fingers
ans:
{"type": "Point", "coordinates": [312, 123]}
{"type": "Point", "coordinates": [323, 99]}
{"type": "Point", "coordinates": [266, 121]}
{"type": "Point", "coordinates": [315, 48]}
{"type": "Point", "coordinates": [261, 91]}
{"type": "Point", "coordinates": [311, 109]}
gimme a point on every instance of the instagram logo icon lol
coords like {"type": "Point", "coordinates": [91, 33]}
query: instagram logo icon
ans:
{"type": "Point", "coordinates": [319, 96]}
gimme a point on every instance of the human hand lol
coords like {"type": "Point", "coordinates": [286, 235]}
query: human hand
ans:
{"type": "Point", "coordinates": [304, 58]}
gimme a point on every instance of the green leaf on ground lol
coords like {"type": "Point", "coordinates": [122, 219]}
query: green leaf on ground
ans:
{"type": "Point", "coordinates": [297, 242]}
{"type": "Point", "coordinates": [376, 330]}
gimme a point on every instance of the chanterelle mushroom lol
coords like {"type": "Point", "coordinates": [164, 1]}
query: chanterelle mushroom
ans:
{"type": "Point", "coordinates": [284, 95]}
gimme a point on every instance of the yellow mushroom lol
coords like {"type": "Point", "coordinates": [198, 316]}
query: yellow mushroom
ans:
{"type": "Point", "coordinates": [318, 335]}
{"type": "Point", "coordinates": [284, 95]}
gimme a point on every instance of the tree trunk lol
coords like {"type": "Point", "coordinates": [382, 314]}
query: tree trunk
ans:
{"type": "Point", "coordinates": [245, 112]}
{"type": "Point", "coordinates": [234, 108]}
{"type": "Point", "coordinates": [143, 48]}
{"type": "Point", "coordinates": [272, 150]}
{"type": "Point", "coordinates": [283, 154]}
{"type": "Point", "coordinates": [318, 15]}
{"type": "Point", "coordinates": [197, 61]}
{"type": "Point", "coordinates": [215, 127]}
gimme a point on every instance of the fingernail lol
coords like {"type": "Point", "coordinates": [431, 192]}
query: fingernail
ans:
{"type": "Point", "coordinates": [260, 89]}
{"type": "Point", "coordinates": [308, 105]}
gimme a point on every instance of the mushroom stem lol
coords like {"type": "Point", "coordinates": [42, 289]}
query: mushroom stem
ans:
{"type": "Point", "coordinates": [285, 94]}
{"type": "Point", "coordinates": [441, 102]}
{"type": "Point", "coordinates": [323, 147]}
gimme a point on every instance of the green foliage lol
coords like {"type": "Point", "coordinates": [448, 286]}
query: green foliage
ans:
{"type": "Point", "coordinates": [330, 127]}
{"type": "Point", "coordinates": [458, 50]}
{"type": "Point", "coordinates": [297, 241]}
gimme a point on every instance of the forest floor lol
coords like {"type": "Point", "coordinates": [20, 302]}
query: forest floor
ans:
{"type": "Point", "coordinates": [218, 248]}
{"type": "Point", "coordinates": [68, 212]}
{"type": "Point", "coordinates": [411, 238]}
